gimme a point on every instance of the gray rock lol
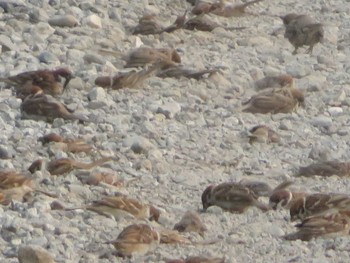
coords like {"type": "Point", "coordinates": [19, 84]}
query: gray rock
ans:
{"type": "Point", "coordinates": [63, 21]}
{"type": "Point", "coordinates": [98, 94]}
{"type": "Point", "coordinates": [7, 44]}
{"type": "Point", "coordinates": [47, 58]}
{"type": "Point", "coordinates": [139, 144]}
{"type": "Point", "coordinates": [93, 21]}
{"type": "Point", "coordinates": [169, 109]}
{"type": "Point", "coordinates": [322, 121]}
{"type": "Point", "coordinates": [34, 254]}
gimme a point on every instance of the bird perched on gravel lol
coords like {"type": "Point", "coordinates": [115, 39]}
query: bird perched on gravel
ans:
{"type": "Point", "coordinates": [326, 168]}
{"type": "Point", "coordinates": [47, 108]}
{"type": "Point", "coordinates": [284, 198]}
{"type": "Point", "coordinates": [275, 101]}
{"type": "Point", "coordinates": [191, 222]}
{"type": "Point", "coordinates": [136, 239]}
{"type": "Point", "coordinates": [65, 165]}
{"type": "Point", "coordinates": [183, 71]}
{"type": "Point", "coordinates": [263, 134]}
{"type": "Point", "coordinates": [232, 197]}
{"type": "Point", "coordinates": [148, 25]}
{"type": "Point", "coordinates": [46, 81]}
{"type": "Point", "coordinates": [66, 145]}
{"type": "Point", "coordinates": [121, 205]}
{"type": "Point", "coordinates": [314, 204]}
{"type": "Point", "coordinates": [302, 30]}
{"type": "Point", "coordinates": [198, 259]}
{"type": "Point", "coordinates": [146, 55]}
{"type": "Point", "coordinates": [223, 8]}
{"type": "Point", "coordinates": [280, 81]}
{"type": "Point", "coordinates": [329, 224]}
{"type": "Point", "coordinates": [131, 79]}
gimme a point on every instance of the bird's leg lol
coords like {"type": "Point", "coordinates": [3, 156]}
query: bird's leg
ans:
{"type": "Point", "coordinates": [295, 51]}
{"type": "Point", "coordinates": [309, 50]}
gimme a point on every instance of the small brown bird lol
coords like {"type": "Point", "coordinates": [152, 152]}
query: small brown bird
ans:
{"type": "Point", "coordinates": [275, 101]}
{"type": "Point", "coordinates": [131, 79]}
{"type": "Point", "coordinates": [280, 81]}
{"type": "Point", "coordinates": [302, 30]}
{"type": "Point", "coordinates": [191, 222]}
{"type": "Point", "coordinates": [48, 81]}
{"type": "Point", "coordinates": [315, 204]}
{"type": "Point", "coordinates": [328, 225]}
{"type": "Point", "coordinates": [198, 259]}
{"type": "Point", "coordinates": [66, 165]}
{"type": "Point", "coordinates": [326, 168]}
{"type": "Point", "coordinates": [284, 198]}
{"type": "Point", "coordinates": [179, 23]}
{"type": "Point", "coordinates": [146, 55]}
{"type": "Point", "coordinates": [148, 25]}
{"type": "Point", "coordinates": [232, 197]}
{"type": "Point", "coordinates": [121, 205]}
{"type": "Point", "coordinates": [136, 239]}
{"type": "Point", "coordinates": [263, 134]}
{"type": "Point", "coordinates": [222, 8]}
{"type": "Point", "coordinates": [172, 237]}
{"type": "Point", "coordinates": [183, 71]}
{"type": "Point", "coordinates": [66, 145]}
{"type": "Point", "coordinates": [204, 23]}
{"type": "Point", "coordinates": [47, 108]}
{"type": "Point", "coordinates": [201, 7]}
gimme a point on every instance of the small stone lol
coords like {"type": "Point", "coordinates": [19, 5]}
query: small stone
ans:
{"type": "Point", "coordinates": [94, 58]}
{"type": "Point", "coordinates": [93, 21]}
{"type": "Point", "coordinates": [7, 44]}
{"type": "Point", "coordinates": [5, 153]}
{"type": "Point", "coordinates": [98, 94]}
{"type": "Point", "coordinates": [322, 121]}
{"type": "Point", "coordinates": [139, 144]}
{"type": "Point", "coordinates": [335, 111]}
{"type": "Point", "coordinates": [64, 21]}
{"type": "Point", "coordinates": [76, 84]}
{"type": "Point", "coordinates": [48, 58]}
{"type": "Point", "coordinates": [170, 109]}
{"type": "Point", "coordinates": [34, 254]}
{"type": "Point", "coordinates": [42, 31]}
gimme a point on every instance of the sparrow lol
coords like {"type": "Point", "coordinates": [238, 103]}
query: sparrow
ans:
{"type": "Point", "coordinates": [47, 108]}
{"type": "Point", "coordinates": [325, 168]}
{"type": "Point", "coordinates": [261, 188]}
{"type": "Point", "coordinates": [275, 101]}
{"type": "Point", "coordinates": [16, 186]}
{"type": "Point", "coordinates": [48, 81]}
{"type": "Point", "coordinates": [191, 222]}
{"type": "Point", "coordinates": [12, 179]}
{"type": "Point", "coordinates": [330, 224]}
{"type": "Point", "coordinates": [179, 23]}
{"type": "Point", "coordinates": [232, 197]}
{"type": "Point", "coordinates": [314, 204]}
{"type": "Point", "coordinates": [279, 81]}
{"type": "Point", "coordinates": [263, 134]}
{"type": "Point", "coordinates": [131, 79]}
{"type": "Point", "coordinates": [65, 165]}
{"type": "Point", "coordinates": [204, 23]}
{"type": "Point", "coordinates": [146, 55]}
{"type": "Point", "coordinates": [302, 30]}
{"type": "Point", "coordinates": [201, 7]}
{"type": "Point", "coordinates": [182, 71]}
{"type": "Point", "coordinates": [172, 237]}
{"type": "Point", "coordinates": [283, 198]}
{"type": "Point", "coordinates": [66, 145]}
{"type": "Point", "coordinates": [104, 178]}
{"type": "Point", "coordinates": [121, 205]}
{"type": "Point", "coordinates": [222, 8]}
{"type": "Point", "coordinates": [148, 25]}
{"type": "Point", "coordinates": [136, 239]}
{"type": "Point", "coordinates": [198, 259]}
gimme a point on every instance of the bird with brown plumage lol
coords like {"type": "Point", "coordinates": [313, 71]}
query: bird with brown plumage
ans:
{"type": "Point", "coordinates": [45, 81]}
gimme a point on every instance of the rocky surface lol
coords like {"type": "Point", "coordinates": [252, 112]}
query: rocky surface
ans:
{"type": "Point", "coordinates": [177, 135]}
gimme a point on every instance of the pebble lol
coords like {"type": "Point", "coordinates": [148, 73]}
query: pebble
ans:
{"type": "Point", "coordinates": [63, 21]}
{"type": "Point", "coordinates": [93, 21]}
{"type": "Point", "coordinates": [48, 58]}
{"type": "Point", "coordinates": [322, 121]}
{"type": "Point", "coordinates": [169, 109]}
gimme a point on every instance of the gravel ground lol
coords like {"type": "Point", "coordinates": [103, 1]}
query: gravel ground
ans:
{"type": "Point", "coordinates": [203, 140]}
